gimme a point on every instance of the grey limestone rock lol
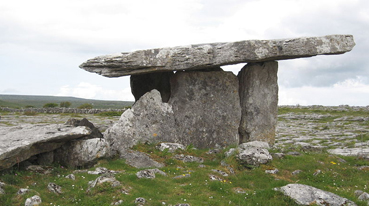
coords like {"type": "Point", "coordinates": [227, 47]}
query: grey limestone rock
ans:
{"type": "Point", "coordinates": [109, 178]}
{"type": "Point", "coordinates": [21, 142]}
{"type": "Point", "coordinates": [202, 56]}
{"type": "Point", "coordinates": [172, 147]}
{"type": "Point", "coordinates": [82, 152]}
{"type": "Point", "coordinates": [259, 101]}
{"type": "Point", "coordinates": [149, 173]}
{"type": "Point", "coordinates": [140, 160]}
{"type": "Point", "coordinates": [307, 195]}
{"type": "Point", "coordinates": [250, 154]}
{"type": "Point", "coordinates": [206, 107]}
{"type": "Point", "coordinates": [149, 120]}
{"type": "Point", "coordinates": [52, 187]}
{"type": "Point", "coordinates": [33, 201]}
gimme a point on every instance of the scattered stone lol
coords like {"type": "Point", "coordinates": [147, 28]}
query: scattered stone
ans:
{"type": "Point", "coordinates": [71, 176]}
{"type": "Point", "coordinates": [361, 195]}
{"type": "Point", "coordinates": [275, 171]}
{"type": "Point", "coordinates": [2, 185]}
{"type": "Point", "coordinates": [52, 187]}
{"type": "Point", "coordinates": [224, 174]}
{"type": "Point", "coordinates": [213, 151]}
{"type": "Point", "coordinates": [307, 195]}
{"type": "Point", "coordinates": [317, 172]}
{"type": "Point", "coordinates": [202, 166]}
{"type": "Point", "coordinates": [259, 144]}
{"type": "Point", "coordinates": [278, 155]}
{"type": "Point", "coordinates": [365, 168]}
{"type": "Point", "coordinates": [149, 173]}
{"type": "Point", "coordinates": [36, 168]}
{"type": "Point", "coordinates": [101, 179]}
{"type": "Point", "coordinates": [188, 158]}
{"type": "Point", "coordinates": [296, 172]}
{"type": "Point", "coordinates": [215, 178]}
{"type": "Point", "coordinates": [82, 153]}
{"type": "Point", "coordinates": [33, 201]}
{"type": "Point", "coordinates": [363, 155]}
{"type": "Point", "coordinates": [202, 56]}
{"type": "Point", "coordinates": [239, 190]}
{"type": "Point", "coordinates": [119, 202]}
{"type": "Point", "coordinates": [22, 191]}
{"type": "Point", "coordinates": [99, 171]}
{"type": "Point", "coordinates": [253, 156]}
{"type": "Point", "coordinates": [294, 153]}
{"type": "Point", "coordinates": [348, 151]}
{"type": "Point", "coordinates": [183, 204]}
{"type": "Point", "coordinates": [172, 147]}
{"type": "Point", "coordinates": [230, 152]}
{"type": "Point", "coordinates": [139, 159]}
{"type": "Point", "coordinates": [259, 101]}
{"type": "Point", "coordinates": [140, 201]}
{"type": "Point", "coordinates": [19, 143]}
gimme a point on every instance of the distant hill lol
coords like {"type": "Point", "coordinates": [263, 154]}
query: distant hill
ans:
{"type": "Point", "coordinates": [19, 101]}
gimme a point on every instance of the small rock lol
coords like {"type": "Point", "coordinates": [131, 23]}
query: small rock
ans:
{"type": "Point", "coordinates": [275, 171]}
{"type": "Point", "coordinates": [188, 158]}
{"type": "Point", "coordinates": [317, 172]}
{"type": "Point", "coordinates": [230, 152]}
{"type": "Point", "coordinates": [183, 204]}
{"type": "Point", "coordinates": [239, 190]}
{"type": "Point", "coordinates": [254, 156]}
{"type": "Point", "coordinates": [2, 191]}
{"type": "Point", "coordinates": [294, 153]}
{"type": "Point", "coordinates": [213, 151]}
{"type": "Point", "coordinates": [22, 191]}
{"type": "Point", "coordinates": [260, 144]}
{"type": "Point", "coordinates": [278, 155]}
{"type": "Point", "coordinates": [172, 147]}
{"type": "Point", "coordinates": [224, 174]}
{"type": "Point", "coordinates": [103, 178]}
{"type": "Point", "coordinates": [140, 201]}
{"type": "Point", "coordinates": [364, 196]}
{"type": "Point", "coordinates": [52, 187]}
{"type": "Point", "coordinates": [296, 172]}
{"type": "Point", "coordinates": [71, 176]}
{"type": "Point", "coordinates": [33, 201]}
{"type": "Point", "coordinates": [117, 203]}
{"type": "Point", "coordinates": [202, 166]}
{"type": "Point", "coordinates": [214, 177]}
{"type": "Point", "coordinates": [149, 173]}
{"type": "Point", "coordinates": [182, 176]}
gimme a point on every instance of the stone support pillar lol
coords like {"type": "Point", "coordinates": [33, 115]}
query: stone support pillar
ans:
{"type": "Point", "coordinates": [259, 101]}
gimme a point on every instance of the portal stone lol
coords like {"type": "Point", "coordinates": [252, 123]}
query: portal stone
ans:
{"type": "Point", "coordinates": [259, 101]}
{"type": "Point", "coordinates": [206, 108]}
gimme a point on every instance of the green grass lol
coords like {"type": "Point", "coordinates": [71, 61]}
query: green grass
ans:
{"type": "Point", "coordinates": [337, 177]}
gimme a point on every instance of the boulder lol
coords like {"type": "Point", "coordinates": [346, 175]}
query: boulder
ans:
{"type": "Point", "coordinates": [259, 101]}
{"type": "Point", "coordinates": [143, 83]}
{"type": "Point", "coordinates": [206, 108]}
{"type": "Point", "coordinates": [202, 56]}
{"type": "Point", "coordinates": [149, 120]}
{"type": "Point", "coordinates": [21, 142]}
{"type": "Point", "coordinates": [307, 195]}
{"type": "Point", "coordinates": [82, 152]}
{"type": "Point", "coordinates": [251, 155]}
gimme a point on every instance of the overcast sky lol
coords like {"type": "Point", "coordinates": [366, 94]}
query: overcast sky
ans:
{"type": "Point", "coordinates": [42, 42]}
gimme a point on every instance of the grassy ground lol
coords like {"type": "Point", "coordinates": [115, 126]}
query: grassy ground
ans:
{"type": "Point", "coordinates": [338, 174]}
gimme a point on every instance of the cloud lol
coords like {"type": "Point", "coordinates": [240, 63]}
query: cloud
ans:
{"type": "Point", "coordinates": [91, 91]}
{"type": "Point", "coordinates": [350, 91]}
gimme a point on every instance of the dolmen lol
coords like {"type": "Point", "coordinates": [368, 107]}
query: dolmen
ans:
{"type": "Point", "coordinates": [183, 96]}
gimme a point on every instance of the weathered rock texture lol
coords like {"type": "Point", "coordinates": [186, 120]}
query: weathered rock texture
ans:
{"type": "Point", "coordinates": [20, 143]}
{"type": "Point", "coordinates": [206, 107]}
{"type": "Point", "coordinates": [307, 195]}
{"type": "Point", "coordinates": [143, 83]}
{"type": "Point", "coordinates": [259, 101]}
{"type": "Point", "coordinates": [149, 120]}
{"type": "Point", "coordinates": [201, 56]}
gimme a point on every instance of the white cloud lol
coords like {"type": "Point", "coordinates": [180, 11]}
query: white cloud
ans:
{"type": "Point", "coordinates": [91, 91]}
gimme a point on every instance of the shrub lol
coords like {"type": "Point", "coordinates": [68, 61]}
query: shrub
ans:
{"type": "Point", "coordinates": [30, 113]}
{"type": "Point", "coordinates": [110, 114]}
{"type": "Point", "coordinates": [85, 106]}
{"type": "Point", "coordinates": [50, 105]}
{"type": "Point", "coordinates": [65, 104]}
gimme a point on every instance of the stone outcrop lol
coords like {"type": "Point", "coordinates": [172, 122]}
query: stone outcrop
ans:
{"type": "Point", "coordinates": [203, 105]}
{"type": "Point", "coordinates": [259, 101]}
{"type": "Point", "coordinates": [20, 143]}
{"type": "Point", "coordinates": [307, 195]}
{"type": "Point", "coordinates": [204, 102]}
{"type": "Point", "coordinates": [201, 56]}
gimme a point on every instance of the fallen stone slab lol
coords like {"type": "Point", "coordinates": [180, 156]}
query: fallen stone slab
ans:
{"type": "Point", "coordinates": [200, 56]}
{"type": "Point", "coordinates": [308, 195]}
{"type": "Point", "coordinates": [21, 142]}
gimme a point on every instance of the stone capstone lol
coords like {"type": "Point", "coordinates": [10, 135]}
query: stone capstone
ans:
{"type": "Point", "coordinates": [259, 101]}
{"type": "Point", "coordinates": [21, 142]}
{"type": "Point", "coordinates": [307, 195]}
{"type": "Point", "coordinates": [194, 57]}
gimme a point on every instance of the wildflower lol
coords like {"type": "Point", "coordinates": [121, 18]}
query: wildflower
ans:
{"type": "Point", "coordinates": [333, 163]}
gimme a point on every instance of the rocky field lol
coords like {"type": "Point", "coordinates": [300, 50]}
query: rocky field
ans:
{"type": "Point", "coordinates": [319, 151]}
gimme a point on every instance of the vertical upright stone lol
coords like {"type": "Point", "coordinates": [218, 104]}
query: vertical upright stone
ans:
{"type": "Point", "coordinates": [143, 83]}
{"type": "Point", "coordinates": [259, 101]}
{"type": "Point", "coordinates": [206, 107]}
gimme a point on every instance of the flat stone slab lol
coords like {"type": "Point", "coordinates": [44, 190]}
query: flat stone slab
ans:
{"type": "Point", "coordinates": [21, 142]}
{"type": "Point", "coordinates": [202, 56]}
